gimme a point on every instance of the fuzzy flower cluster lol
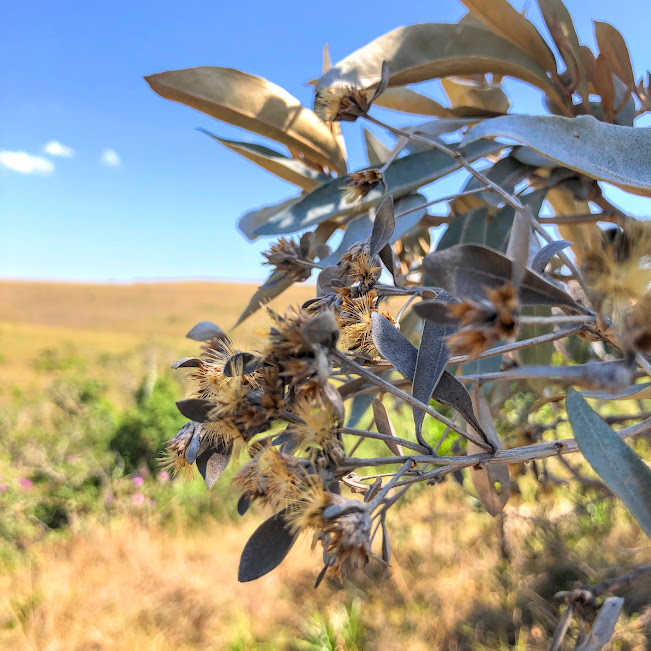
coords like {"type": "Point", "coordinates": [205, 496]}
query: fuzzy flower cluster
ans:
{"type": "Point", "coordinates": [616, 265]}
{"type": "Point", "coordinates": [238, 399]}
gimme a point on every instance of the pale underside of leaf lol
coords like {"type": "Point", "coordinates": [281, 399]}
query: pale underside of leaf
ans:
{"type": "Point", "coordinates": [254, 104]}
{"type": "Point", "coordinates": [506, 21]}
{"type": "Point", "coordinates": [402, 177]}
{"type": "Point", "coordinates": [605, 152]}
{"type": "Point", "coordinates": [611, 458]}
{"type": "Point", "coordinates": [289, 169]}
{"type": "Point", "coordinates": [405, 100]}
{"type": "Point", "coordinates": [252, 220]}
{"type": "Point", "coordinates": [466, 92]}
{"type": "Point", "coordinates": [434, 50]}
{"type": "Point", "coordinates": [275, 285]}
{"type": "Point", "coordinates": [492, 482]}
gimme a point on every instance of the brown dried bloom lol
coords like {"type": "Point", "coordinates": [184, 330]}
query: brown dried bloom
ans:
{"type": "Point", "coordinates": [361, 183]}
{"type": "Point", "coordinates": [344, 103]}
{"type": "Point", "coordinates": [275, 479]}
{"type": "Point", "coordinates": [342, 526]}
{"type": "Point", "coordinates": [635, 331]}
{"type": "Point", "coordinates": [319, 430]}
{"type": "Point", "coordinates": [483, 323]}
{"type": "Point", "coordinates": [354, 319]}
{"type": "Point", "coordinates": [617, 266]}
{"type": "Point", "coordinates": [173, 458]}
{"type": "Point", "coordinates": [358, 267]}
{"type": "Point", "coordinates": [285, 255]}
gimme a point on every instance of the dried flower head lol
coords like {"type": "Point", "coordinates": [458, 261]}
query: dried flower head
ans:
{"type": "Point", "coordinates": [342, 526]}
{"type": "Point", "coordinates": [634, 333]}
{"type": "Point", "coordinates": [483, 323]}
{"type": "Point", "coordinates": [617, 266]}
{"type": "Point", "coordinates": [361, 183]}
{"type": "Point", "coordinates": [173, 459]}
{"type": "Point", "coordinates": [343, 103]}
{"type": "Point", "coordinates": [354, 318]}
{"type": "Point", "coordinates": [319, 429]}
{"type": "Point", "coordinates": [359, 267]}
{"type": "Point", "coordinates": [286, 255]}
{"type": "Point", "coordinates": [275, 479]}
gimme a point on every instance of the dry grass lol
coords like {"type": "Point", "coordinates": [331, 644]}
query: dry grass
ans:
{"type": "Point", "coordinates": [136, 584]}
{"type": "Point", "coordinates": [117, 330]}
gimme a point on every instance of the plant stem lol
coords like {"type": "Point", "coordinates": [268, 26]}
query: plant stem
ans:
{"type": "Point", "coordinates": [386, 438]}
{"type": "Point", "coordinates": [512, 201]}
{"type": "Point", "coordinates": [441, 200]}
{"type": "Point", "coordinates": [517, 345]}
{"type": "Point", "coordinates": [550, 320]}
{"type": "Point", "coordinates": [409, 399]}
{"type": "Point", "coordinates": [392, 482]}
{"type": "Point", "coordinates": [515, 455]}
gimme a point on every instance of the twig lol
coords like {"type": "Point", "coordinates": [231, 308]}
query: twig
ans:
{"type": "Point", "coordinates": [517, 345]}
{"type": "Point", "coordinates": [406, 397]}
{"type": "Point", "coordinates": [385, 437]}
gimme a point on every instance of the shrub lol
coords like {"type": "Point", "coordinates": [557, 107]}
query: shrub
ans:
{"type": "Point", "coordinates": [492, 273]}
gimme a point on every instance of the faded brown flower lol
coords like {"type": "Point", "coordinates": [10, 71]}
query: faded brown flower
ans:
{"type": "Point", "coordinates": [617, 266]}
{"type": "Point", "coordinates": [343, 103]}
{"type": "Point", "coordinates": [361, 183]}
{"type": "Point", "coordinates": [354, 318]}
{"type": "Point", "coordinates": [483, 323]}
{"type": "Point", "coordinates": [286, 255]}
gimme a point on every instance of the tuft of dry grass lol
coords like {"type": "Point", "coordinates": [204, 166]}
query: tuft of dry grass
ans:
{"type": "Point", "coordinates": [139, 584]}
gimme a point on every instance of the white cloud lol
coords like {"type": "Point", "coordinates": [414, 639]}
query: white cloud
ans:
{"type": "Point", "coordinates": [55, 148]}
{"type": "Point", "coordinates": [24, 163]}
{"type": "Point", "coordinates": [110, 158]}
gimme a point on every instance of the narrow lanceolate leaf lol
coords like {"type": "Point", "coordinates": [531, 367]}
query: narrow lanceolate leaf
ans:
{"type": "Point", "coordinates": [359, 229]}
{"type": "Point", "coordinates": [433, 50]}
{"type": "Point", "coordinates": [433, 355]}
{"type": "Point", "coordinates": [289, 169]}
{"type": "Point", "coordinates": [384, 425]}
{"type": "Point", "coordinates": [188, 362]}
{"type": "Point", "coordinates": [542, 258]}
{"type": "Point", "coordinates": [212, 462]}
{"type": "Point", "coordinates": [613, 46]}
{"type": "Point", "coordinates": [196, 409]}
{"type": "Point", "coordinates": [604, 626]}
{"type": "Point", "coordinates": [383, 226]}
{"type": "Point", "coordinates": [405, 100]}
{"type": "Point", "coordinates": [253, 219]}
{"type": "Point", "coordinates": [376, 151]}
{"type": "Point", "coordinates": [205, 331]}
{"type": "Point", "coordinates": [402, 177]}
{"type": "Point", "coordinates": [266, 549]}
{"type": "Point", "coordinates": [518, 247]}
{"type": "Point", "coordinates": [612, 459]}
{"type": "Point", "coordinates": [510, 24]}
{"type": "Point", "coordinates": [275, 285]}
{"type": "Point", "coordinates": [492, 482]}
{"type": "Point", "coordinates": [560, 26]}
{"type": "Point", "coordinates": [398, 350]}
{"type": "Point", "coordinates": [634, 392]}
{"type": "Point", "coordinates": [467, 92]}
{"type": "Point", "coordinates": [242, 364]}
{"type": "Point", "coordinates": [254, 104]}
{"type": "Point", "coordinates": [605, 152]}
{"type": "Point", "coordinates": [466, 270]}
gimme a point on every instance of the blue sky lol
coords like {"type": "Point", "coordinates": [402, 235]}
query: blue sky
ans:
{"type": "Point", "coordinates": [144, 195]}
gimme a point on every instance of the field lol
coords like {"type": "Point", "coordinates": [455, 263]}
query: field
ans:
{"type": "Point", "coordinates": [100, 550]}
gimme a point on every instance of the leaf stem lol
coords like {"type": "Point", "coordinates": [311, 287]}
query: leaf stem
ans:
{"type": "Point", "coordinates": [409, 399]}
{"type": "Point", "coordinates": [384, 437]}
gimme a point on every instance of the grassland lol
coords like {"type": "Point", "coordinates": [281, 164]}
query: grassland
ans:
{"type": "Point", "coordinates": [89, 564]}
